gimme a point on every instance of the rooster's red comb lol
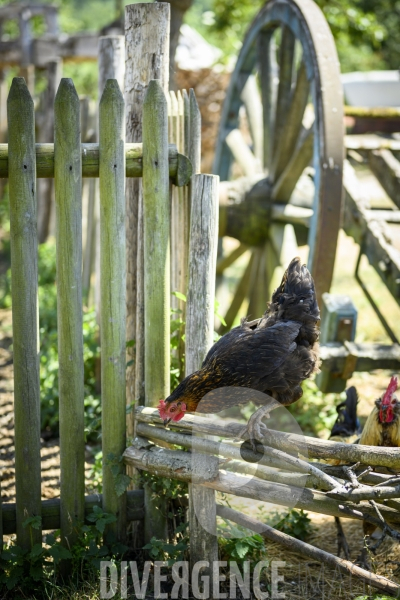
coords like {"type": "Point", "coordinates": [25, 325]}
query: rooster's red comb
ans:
{"type": "Point", "coordinates": [391, 388]}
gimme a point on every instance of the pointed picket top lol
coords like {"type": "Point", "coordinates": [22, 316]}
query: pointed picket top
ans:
{"type": "Point", "coordinates": [66, 93]}
{"type": "Point", "coordinates": [195, 133]}
{"type": "Point", "coordinates": [112, 93]}
{"type": "Point", "coordinates": [154, 94]}
{"type": "Point", "coordinates": [19, 92]}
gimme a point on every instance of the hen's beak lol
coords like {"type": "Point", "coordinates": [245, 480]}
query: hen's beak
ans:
{"type": "Point", "coordinates": [166, 421]}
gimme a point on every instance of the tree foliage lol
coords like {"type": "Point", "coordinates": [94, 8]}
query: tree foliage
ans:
{"type": "Point", "coordinates": [367, 32]}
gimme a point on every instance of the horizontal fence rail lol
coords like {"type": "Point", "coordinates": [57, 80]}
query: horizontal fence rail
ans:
{"type": "Point", "coordinates": [180, 168]}
{"type": "Point", "coordinates": [51, 511]}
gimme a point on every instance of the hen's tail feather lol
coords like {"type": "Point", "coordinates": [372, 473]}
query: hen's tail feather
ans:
{"type": "Point", "coordinates": [347, 423]}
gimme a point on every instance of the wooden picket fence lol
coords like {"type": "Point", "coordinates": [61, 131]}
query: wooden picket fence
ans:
{"type": "Point", "coordinates": [68, 161]}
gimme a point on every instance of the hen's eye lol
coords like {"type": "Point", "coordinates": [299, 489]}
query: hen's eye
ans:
{"type": "Point", "coordinates": [172, 409]}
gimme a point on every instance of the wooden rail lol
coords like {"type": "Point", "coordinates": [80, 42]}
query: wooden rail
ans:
{"type": "Point", "coordinates": [179, 166]}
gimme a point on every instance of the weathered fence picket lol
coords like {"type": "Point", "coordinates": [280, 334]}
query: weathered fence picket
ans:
{"type": "Point", "coordinates": [23, 234]}
{"type": "Point", "coordinates": [199, 339]}
{"type": "Point", "coordinates": [156, 221]}
{"type": "Point", "coordinates": [68, 189]}
{"type": "Point", "coordinates": [113, 289]}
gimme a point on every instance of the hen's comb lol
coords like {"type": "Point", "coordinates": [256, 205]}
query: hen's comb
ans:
{"type": "Point", "coordinates": [391, 388]}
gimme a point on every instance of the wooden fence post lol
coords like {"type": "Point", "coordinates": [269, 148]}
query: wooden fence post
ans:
{"type": "Point", "coordinates": [46, 134]}
{"type": "Point", "coordinates": [113, 288]}
{"type": "Point", "coordinates": [156, 219]}
{"type": "Point", "coordinates": [68, 188]}
{"type": "Point", "coordinates": [147, 57]}
{"type": "Point", "coordinates": [24, 272]}
{"type": "Point", "coordinates": [199, 338]}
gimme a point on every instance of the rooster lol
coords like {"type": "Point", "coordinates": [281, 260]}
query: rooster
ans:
{"type": "Point", "coordinates": [383, 424]}
{"type": "Point", "coordinates": [382, 428]}
{"type": "Point", "coordinates": [273, 355]}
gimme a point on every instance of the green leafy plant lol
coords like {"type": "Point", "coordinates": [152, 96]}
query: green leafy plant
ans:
{"type": "Point", "coordinates": [33, 571]}
{"type": "Point", "coordinates": [239, 546]}
{"type": "Point", "coordinates": [296, 523]}
{"type": "Point", "coordinates": [163, 551]}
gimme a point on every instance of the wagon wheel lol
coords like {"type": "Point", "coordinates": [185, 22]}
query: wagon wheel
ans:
{"type": "Point", "coordinates": [287, 84]}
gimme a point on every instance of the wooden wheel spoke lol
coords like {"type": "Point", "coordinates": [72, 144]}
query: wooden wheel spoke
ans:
{"type": "Point", "coordinates": [242, 153]}
{"type": "Point", "coordinates": [286, 57]}
{"type": "Point", "coordinates": [300, 159]}
{"type": "Point", "coordinates": [257, 291]}
{"type": "Point", "coordinates": [293, 124]}
{"type": "Point", "coordinates": [239, 296]}
{"type": "Point", "coordinates": [284, 243]}
{"type": "Point", "coordinates": [227, 261]}
{"type": "Point", "coordinates": [252, 102]}
{"type": "Point", "coordinates": [265, 70]}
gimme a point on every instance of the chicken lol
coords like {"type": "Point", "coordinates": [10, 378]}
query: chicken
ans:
{"type": "Point", "coordinates": [346, 429]}
{"type": "Point", "coordinates": [383, 424]}
{"type": "Point", "coordinates": [273, 355]}
{"type": "Point", "coordinates": [382, 428]}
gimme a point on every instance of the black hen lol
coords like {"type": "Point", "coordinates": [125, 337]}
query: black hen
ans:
{"type": "Point", "coordinates": [347, 425]}
{"type": "Point", "coordinates": [273, 355]}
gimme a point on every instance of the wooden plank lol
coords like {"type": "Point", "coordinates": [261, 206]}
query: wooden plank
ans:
{"type": "Point", "coordinates": [68, 185]}
{"type": "Point", "coordinates": [156, 217]}
{"type": "Point", "coordinates": [199, 338]}
{"type": "Point", "coordinates": [375, 112]}
{"type": "Point", "coordinates": [370, 141]}
{"type": "Point", "coordinates": [113, 288]}
{"type": "Point", "coordinates": [386, 169]}
{"type": "Point", "coordinates": [147, 58]}
{"type": "Point", "coordinates": [51, 511]}
{"type": "Point", "coordinates": [24, 289]}
{"type": "Point", "coordinates": [367, 357]}
{"type": "Point", "coordinates": [90, 161]}
{"type": "Point", "coordinates": [373, 234]}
